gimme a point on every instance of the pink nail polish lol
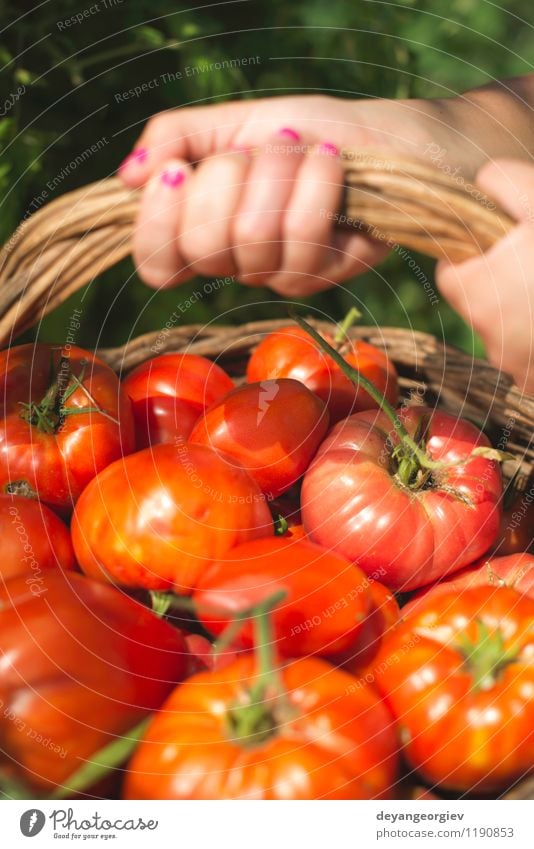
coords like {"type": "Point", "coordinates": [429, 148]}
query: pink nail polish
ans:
{"type": "Point", "coordinates": [288, 133]}
{"type": "Point", "coordinates": [329, 148]}
{"type": "Point", "coordinates": [172, 179]}
{"type": "Point", "coordinates": [138, 156]}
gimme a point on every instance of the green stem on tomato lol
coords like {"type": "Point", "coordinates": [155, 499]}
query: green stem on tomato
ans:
{"type": "Point", "coordinates": [485, 657]}
{"type": "Point", "coordinates": [358, 379]}
{"type": "Point", "coordinates": [341, 334]}
{"type": "Point", "coordinates": [49, 414]}
{"type": "Point", "coordinates": [160, 602]}
{"type": "Point", "coordinates": [254, 720]}
{"type": "Point", "coordinates": [12, 787]}
{"type": "Point", "coordinates": [110, 757]}
{"type": "Point", "coordinates": [264, 645]}
{"type": "Point", "coordinates": [280, 525]}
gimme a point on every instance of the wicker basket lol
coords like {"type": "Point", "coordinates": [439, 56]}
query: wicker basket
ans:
{"type": "Point", "coordinates": [73, 239]}
{"type": "Point", "coordinates": [76, 237]}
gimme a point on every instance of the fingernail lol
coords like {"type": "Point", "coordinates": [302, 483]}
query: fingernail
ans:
{"type": "Point", "coordinates": [288, 133]}
{"type": "Point", "coordinates": [329, 148]}
{"type": "Point", "coordinates": [172, 179]}
{"type": "Point", "coordinates": [238, 148]}
{"type": "Point", "coordinates": [137, 156]}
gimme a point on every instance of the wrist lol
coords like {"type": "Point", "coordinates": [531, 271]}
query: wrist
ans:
{"type": "Point", "coordinates": [483, 124]}
{"type": "Point", "coordinates": [425, 129]}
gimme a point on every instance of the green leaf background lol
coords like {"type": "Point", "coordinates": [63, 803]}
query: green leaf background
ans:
{"type": "Point", "coordinates": [348, 48]}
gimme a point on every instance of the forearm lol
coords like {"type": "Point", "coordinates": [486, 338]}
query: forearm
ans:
{"type": "Point", "coordinates": [496, 120]}
{"type": "Point", "coordinates": [460, 133]}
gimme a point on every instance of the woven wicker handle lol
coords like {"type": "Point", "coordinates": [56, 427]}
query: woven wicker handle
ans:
{"type": "Point", "coordinates": [76, 237]}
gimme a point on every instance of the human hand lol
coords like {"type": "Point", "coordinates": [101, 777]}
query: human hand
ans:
{"type": "Point", "coordinates": [266, 217]}
{"type": "Point", "coordinates": [495, 292]}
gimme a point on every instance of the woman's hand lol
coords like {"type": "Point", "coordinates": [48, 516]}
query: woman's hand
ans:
{"type": "Point", "coordinates": [495, 292]}
{"type": "Point", "coordinates": [251, 189]}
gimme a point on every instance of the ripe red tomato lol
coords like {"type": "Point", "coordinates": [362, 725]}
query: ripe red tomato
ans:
{"type": "Point", "coordinates": [418, 528]}
{"type": "Point", "coordinates": [65, 417]}
{"type": "Point", "coordinates": [81, 664]}
{"type": "Point", "coordinates": [515, 570]}
{"type": "Point", "coordinates": [458, 676]}
{"type": "Point", "coordinates": [158, 518]}
{"type": "Point", "coordinates": [323, 612]}
{"type": "Point", "coordinates": [383, 617]}
{"type": "Point", "coordinates": [170, 392]}
{"type": "Point", "coordinates": [272, 428]}
{"type": "Point", "coordinates": [34, 540]}
{"type": "Point", "coordinates": [291, 352]}
{"type": "Point", "coordinates": [322, 738]}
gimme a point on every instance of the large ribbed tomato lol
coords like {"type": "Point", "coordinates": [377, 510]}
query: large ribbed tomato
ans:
{"type": "Point", "coordinates": [458, 676]}
{"type": "Point", "coordinates": [64, 418]}
{"type": "Point", "coordinates": [158, 518]}
{"type": "Point", "coordinates": [81, 664]}
{"type": "Point", "coordinates": [320, 738]}
{"type": "Point", "coordinates": [381, 510]}
{"type": "Point", "coordinates": [326, 604]}
{"type": "Point", "coordinates": [291, 352]}
{"type": "Point", "coordinates": [33, 540]}
{"type": "Point", "coordinates": [272, 428]}
{"type": "Point", "coordinates": [170, 392]}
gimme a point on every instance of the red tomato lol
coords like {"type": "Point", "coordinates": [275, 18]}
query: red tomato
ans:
{"type": "Point", "coordinates": [81, 664]}
{"type": "Point", "coordinates": [323, 612]}
{"type": "Point", "coordinates": [383, 617]}
{"type": "Point", "coordinates": [323, 738]}
{"type": "Point", "coordinates": [515, 570]}
{"type": "Point", "coordinates": [291, 352]}
{"type": "Point", "coordinates": [159, 518]}
{"type": "Point", "coordinates": [48, 445]}
{"type": "Point", "coordinates": [458, 676]}
{"type": "Point", "coordinates": [170, 392]}
{"type": "Point", "coordinates": [34, 540]}
{"type": "Point", "coordinates": [272, 428]}
{"type": "Point", "coordinates": [354, 501]}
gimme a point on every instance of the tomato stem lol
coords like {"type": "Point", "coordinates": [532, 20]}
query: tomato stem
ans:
{"type": "Point", "coordinates": [264, 645]}
{"type": "Point", "coordinates": [341, 334]}
{"type": "Point", "coordinates": [160, 602]}
{"type": "Point", "coordinates": [254, 720]}
{"type": "Point", "coordinates": [280, 525]}
{"type": "Point", "coordinates": [108, 758]}
{"type": "Point", "coordinates": [411, 451]}
{"type": "Point", "coordinates": [49, 414]}
{"type": "Point", "coordinates": [485, 657]}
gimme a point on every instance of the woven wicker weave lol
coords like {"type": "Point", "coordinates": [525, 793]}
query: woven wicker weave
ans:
{"type": "Point", "coordinates": [73, 239]}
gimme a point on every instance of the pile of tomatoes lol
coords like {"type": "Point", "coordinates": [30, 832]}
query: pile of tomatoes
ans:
{"type": "Point", "coordinates": [282, 589]}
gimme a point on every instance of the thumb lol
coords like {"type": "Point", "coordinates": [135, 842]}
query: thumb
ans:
{"type": "Point", "coordinates": [511, 183]}
{"type": "Point", "coordinates": [191, 133]}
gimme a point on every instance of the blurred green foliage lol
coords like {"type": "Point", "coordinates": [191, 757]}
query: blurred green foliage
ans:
{"type": "Point", "coordinates": [57, 87]}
